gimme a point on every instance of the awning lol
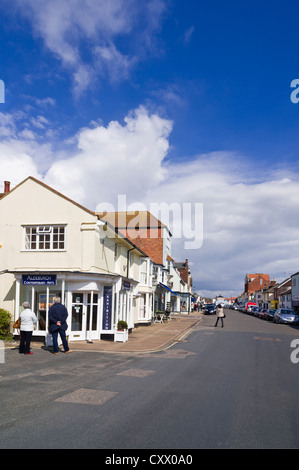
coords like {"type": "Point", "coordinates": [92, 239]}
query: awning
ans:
{"type": "Point", "coordinates": [165, 287]}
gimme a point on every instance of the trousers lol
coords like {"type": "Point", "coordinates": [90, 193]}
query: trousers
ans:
{"type": "Point", "coordinates": [63, 339]}
{"type": "Point", "coordinates": [25, 342]}
{"type": "Point", "coordinates": [219, 318]}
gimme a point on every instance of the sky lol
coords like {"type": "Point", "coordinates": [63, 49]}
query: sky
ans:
{"type": "Point", "coordinates": [190, 105]}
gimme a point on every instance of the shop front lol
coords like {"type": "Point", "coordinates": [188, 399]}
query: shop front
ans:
{"type": "Point", "coordinates": [89, 298]}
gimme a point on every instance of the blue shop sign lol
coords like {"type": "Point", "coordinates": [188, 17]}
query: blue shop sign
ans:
{"type": "Point", "coordinates": [107, 308]}
{"type": "Point", "coordinates": [39, 280]}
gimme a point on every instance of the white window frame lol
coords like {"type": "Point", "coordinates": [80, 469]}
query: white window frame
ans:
{"type": "Point", "coordinates": [143, 272]}
{"type": "Point", "coordinates": [42, 238]}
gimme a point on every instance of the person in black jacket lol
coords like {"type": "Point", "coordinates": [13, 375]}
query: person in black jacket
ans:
{"type": "Point", "coordinates": [57, 324]}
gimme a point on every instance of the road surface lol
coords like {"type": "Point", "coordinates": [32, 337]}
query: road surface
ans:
{"type": "Point", "coordinates": [220, 388]}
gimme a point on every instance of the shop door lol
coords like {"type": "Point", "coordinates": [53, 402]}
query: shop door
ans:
{"type": "Point", "coordinates": [84, 323]}
{"type": "Point", "coordinates": [142, 307]}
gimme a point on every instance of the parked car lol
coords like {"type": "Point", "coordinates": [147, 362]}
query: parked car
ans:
{"type": "Point", "coordinates": [254, 310]}
{"type": "Point", "coordinates": [262, 313]}
{"type": "Point", "coordinates": [286, 315]}
{"type": "Point", "coordinates": [210, 309]}
{"type": "Point", "coordinates": [249, 306]}
{"type": "Point", "coordinates": [270, 314]}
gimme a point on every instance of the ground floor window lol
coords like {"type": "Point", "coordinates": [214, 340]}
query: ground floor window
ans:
{"type": "Point", "coordinates": [40, 299]}
{"type": "Point", "coordinates": [92, 311]}
{"type": "Point", "coordinates": [41, 308]}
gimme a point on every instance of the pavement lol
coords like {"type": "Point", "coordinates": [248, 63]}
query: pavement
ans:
{"type": "Point", "coordinates": [147, 338]}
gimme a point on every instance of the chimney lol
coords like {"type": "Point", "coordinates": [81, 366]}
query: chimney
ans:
{"type": "Point", "coordinates": [6, 187]}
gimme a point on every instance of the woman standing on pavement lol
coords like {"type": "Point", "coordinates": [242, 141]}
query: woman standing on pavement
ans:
{"type": "Point", "coordinates": [28, 318]}
{"type": "Point", "coordinates": [220, 314]}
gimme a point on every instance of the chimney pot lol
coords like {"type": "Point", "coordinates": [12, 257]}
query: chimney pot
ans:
{"type": "Point", "coordinates": [6, 186]}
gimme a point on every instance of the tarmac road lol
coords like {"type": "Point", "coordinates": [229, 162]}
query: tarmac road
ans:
{"type": "Point", "coordinates": [218, 388]}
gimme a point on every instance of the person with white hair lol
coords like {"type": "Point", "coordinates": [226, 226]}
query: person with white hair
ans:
{"type": "Point", "coordinates": [28, 319]}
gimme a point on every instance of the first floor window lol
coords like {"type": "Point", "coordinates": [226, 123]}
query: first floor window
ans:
{"type": "Point", "coordinates": [45, 237]}
{"type": "Point", "coordinates": [143, 272]}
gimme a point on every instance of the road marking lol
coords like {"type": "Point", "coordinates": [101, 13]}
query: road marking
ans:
{"type": "Point", "coordinates": [141, 373]}
{"type": "Point", "coordinates": [266, 338]}
{"type": "Point", "coordinates": [87, 397]}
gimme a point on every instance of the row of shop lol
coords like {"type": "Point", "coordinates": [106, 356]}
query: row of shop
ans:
{"type": "Point", "coordinates": [95, 303]}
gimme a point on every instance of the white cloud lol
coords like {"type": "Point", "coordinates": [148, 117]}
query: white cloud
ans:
{"type": "Point", "coordinates": [16, 162]}
{"type": "Point", "coordinates": [64, 25]}
{"type": "Point", "coordinates": [117, 159]}
{"type": "Point", "coordinates": [247, 227]}
{"type": "Point", "coordinates": [188, 34]}
{"type": "Point", "coordinates": [109, 59]}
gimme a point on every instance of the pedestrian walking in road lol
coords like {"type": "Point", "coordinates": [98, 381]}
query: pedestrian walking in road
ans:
{"type": "Point", "coordinates": [57, 324]}
{"type": "Point", "coordinates": [220, 314]}
{"type": "Point", "coordinates": [28, 319]}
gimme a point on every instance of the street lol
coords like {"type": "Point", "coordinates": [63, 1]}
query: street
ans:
{"type": "Point", "coordinates": [219, 388]}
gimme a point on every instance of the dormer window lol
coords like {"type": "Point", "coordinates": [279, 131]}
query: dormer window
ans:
{"type": "Point", "coordinates": [45, 238]}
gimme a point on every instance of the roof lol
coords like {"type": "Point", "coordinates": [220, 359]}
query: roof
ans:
{"type": "Point", "coordinates": [131, 219]}
{"type": "Point", "coordinates": [253, 276]}
{"type": "Point", "coordinates": [50, 189]}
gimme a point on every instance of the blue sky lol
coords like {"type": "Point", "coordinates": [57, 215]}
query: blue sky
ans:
{"type": "Point", "coordinates": [163, 100]}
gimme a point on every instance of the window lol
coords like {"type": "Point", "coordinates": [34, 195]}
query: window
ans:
{"type": "Point", "coordinates": [143, 272]}
{"type": "Point", "coordinates": [45, 237]}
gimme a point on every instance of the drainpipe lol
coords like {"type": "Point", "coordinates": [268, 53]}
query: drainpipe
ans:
{"type": "Point", "coordinates": [128, 261]}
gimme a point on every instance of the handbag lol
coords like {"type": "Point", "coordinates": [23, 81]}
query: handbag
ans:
{"type": "Point", "coordinates": [17, 324]}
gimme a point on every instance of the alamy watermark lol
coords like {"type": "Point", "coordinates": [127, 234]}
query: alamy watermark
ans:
{"type": "Point", "coordinates": [184, 220]}
{"type": "Point", "coordinates": [2, 352]}
{"type": "Point", "coordinates": [295, 354]}
{"type": "Point", "coordinates": [295, 94]}
{"type": "Point", "coordinates": [2, 92]}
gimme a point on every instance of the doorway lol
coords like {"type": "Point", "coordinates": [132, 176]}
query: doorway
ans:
{"type": "Point", "coordinates": [85, 316]}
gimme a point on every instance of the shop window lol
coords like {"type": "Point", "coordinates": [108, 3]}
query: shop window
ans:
{"type": "Point", "coordinates": [45, 237]}
{"type": "Point", "coordinates": [41, 308]}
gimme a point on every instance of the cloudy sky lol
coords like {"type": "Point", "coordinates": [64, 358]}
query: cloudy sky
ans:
{"type": "Point", "coordinates": [187, 104]}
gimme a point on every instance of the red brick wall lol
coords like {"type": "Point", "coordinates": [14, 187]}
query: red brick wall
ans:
{"type": "Point", "coordinates": [260, 281]}
{"type": "Point", "coordinates": [150, 241]}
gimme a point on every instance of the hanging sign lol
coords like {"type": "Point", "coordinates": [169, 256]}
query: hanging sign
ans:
{"type": "Point", "coordinates": [107, 308]}
{"type": "Point", "coordinates": [39, 279]}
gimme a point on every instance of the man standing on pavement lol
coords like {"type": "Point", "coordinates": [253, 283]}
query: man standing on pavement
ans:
{"type": "Point", "coordinates": [57, 324]}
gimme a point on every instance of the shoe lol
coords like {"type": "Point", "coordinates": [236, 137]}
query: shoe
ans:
{"type": "Point", "coordinates": [26, 354]}
{"type": "Point", "coordinates": [56, 353]}
{"type": "Point", "coordinates": [68, 352]}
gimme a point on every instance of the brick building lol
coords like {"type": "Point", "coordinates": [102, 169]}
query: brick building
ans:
{"type": "Point", "coordinates": [255, 282]}
{"type": "Point", "coordinates": [144, 230]}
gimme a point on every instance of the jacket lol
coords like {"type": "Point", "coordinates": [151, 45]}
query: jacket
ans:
{"type": "Point", "coordinates": [57, 312]}
{"type": "Point", "coordinates": [219, 312]}
{"type": "Point", "coordinates": [28, 318]}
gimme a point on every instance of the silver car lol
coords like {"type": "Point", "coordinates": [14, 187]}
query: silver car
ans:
{"type": "Point", "coordinates": [286, 315]}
